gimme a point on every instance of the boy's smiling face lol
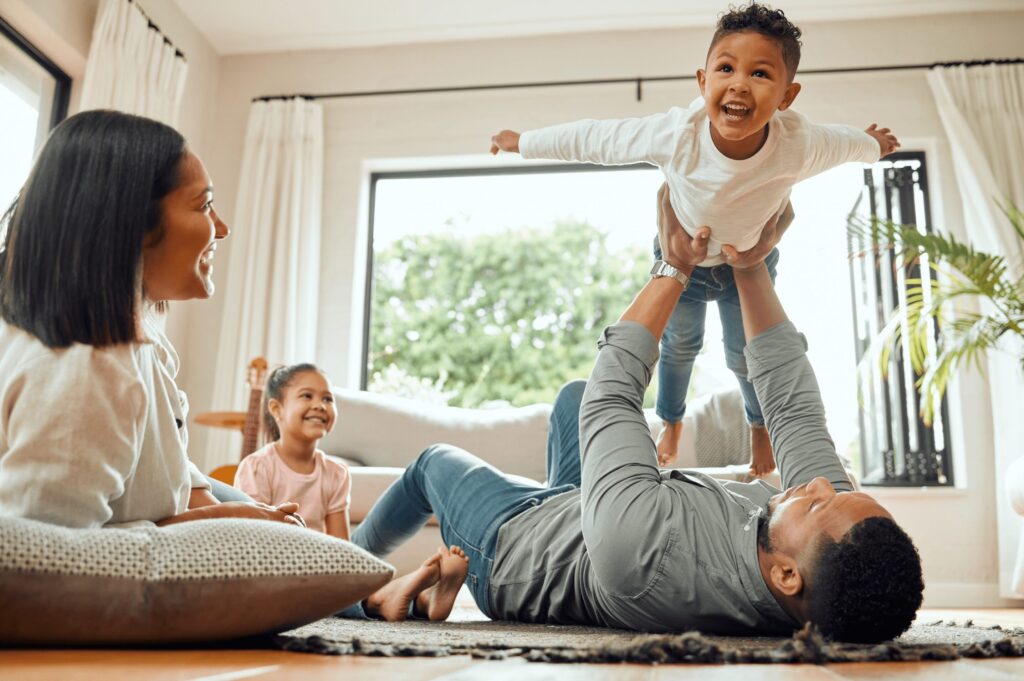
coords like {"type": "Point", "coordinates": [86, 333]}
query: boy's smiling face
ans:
{"type": "Point", "coordinates": [745, 83]}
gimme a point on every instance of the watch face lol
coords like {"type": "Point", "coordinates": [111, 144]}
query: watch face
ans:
{"type": "Point", "coordinates": [663, 269]}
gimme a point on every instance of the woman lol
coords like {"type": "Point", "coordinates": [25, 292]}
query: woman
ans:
{"type": "Point", "coordinates": [115, 219]}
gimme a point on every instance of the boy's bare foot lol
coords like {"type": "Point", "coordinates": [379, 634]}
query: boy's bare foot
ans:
{"type": "Point", "coordinates": [668, 443]}
{"type": "Point", "coordinates": [762, 459]}
{"type": "Point", "coordinates": [391, 601]}
{"type": "Point", "coordinates": [437, 601]}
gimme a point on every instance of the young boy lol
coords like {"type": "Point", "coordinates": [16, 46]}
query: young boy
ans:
{"type": "Point", "coordinates": [730, 161]}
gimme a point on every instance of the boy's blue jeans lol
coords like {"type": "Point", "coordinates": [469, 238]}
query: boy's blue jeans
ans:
{"type": "Point", "coordinates": [684, 337]}
{"type": "Point", "coordinates": [470, 498]}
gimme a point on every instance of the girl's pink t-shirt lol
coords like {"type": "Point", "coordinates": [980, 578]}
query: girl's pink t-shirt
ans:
{"type": "Point", "coordinates": [265, 477]}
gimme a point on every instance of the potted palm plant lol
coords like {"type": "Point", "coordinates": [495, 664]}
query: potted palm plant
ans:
{"type": "Point", "coordinates": [938, 330]}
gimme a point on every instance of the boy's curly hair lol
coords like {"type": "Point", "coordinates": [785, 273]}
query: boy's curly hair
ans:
{"type": "Point", "coordinates": [866, 587]}
{"type": "Point", "coordinates": [771, 23]}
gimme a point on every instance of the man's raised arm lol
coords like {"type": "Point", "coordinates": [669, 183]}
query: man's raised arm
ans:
{"type": "Point", "coordinates": [786, 387]}
{"type": "Point", "coordinates": [624, 502]}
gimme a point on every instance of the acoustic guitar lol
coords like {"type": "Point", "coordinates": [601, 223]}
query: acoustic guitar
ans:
{"type": "Point", "coordinates": [252, 433]}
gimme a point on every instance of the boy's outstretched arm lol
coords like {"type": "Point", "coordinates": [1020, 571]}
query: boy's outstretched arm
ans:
{"type": "Point", "coordinates": [506, 140]}
{"type": "Point", "coordinates": [886, 140]}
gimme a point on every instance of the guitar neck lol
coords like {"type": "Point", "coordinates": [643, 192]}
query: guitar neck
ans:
{"type": "Point", "coordinates": [251, 430]}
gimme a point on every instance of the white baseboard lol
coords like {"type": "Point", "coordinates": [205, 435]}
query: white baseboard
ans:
{"type": "Point", "coordinates": [967, 595]}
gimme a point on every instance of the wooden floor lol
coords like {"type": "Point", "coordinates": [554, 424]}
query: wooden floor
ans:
{"type": "Point", "coordinates": [268, 665]}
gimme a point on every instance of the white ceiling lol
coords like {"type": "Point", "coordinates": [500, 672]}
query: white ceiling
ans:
{"type": "Point", "coordinates": [251, 26]}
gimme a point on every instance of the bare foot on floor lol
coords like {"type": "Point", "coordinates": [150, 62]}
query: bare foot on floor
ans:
{"type": "Point", "coordinates": [762, 459]}
{"type": "Point", "coordinates": [437, 601]}
{"type": "Point", "coordinates": [391, 601]}
{"type": "Point", "coordinates": [668, 443]}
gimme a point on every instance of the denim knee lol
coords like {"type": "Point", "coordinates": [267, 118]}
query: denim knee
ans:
{"type": "Point", "coordinates": [675, 352]}
{"type": "Point", "coordinates": [737, 363]}
{"type": "Point", "coordinates": [682, 341]}
{"type": "Point", "coordinates": [427, 455]}
{"type": "Point", "coordinates": [569, 394]}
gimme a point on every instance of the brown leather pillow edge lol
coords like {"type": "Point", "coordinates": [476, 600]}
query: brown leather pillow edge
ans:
{"type": "Point", "coordinates": [38, 608]}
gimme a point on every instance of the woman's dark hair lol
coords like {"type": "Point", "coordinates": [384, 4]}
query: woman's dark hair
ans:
{"type": "Point", "coordinates": [71, 264]}
{"type": "Point", "coordinates": [277, 382]}
{"type": "Point", "coordinates": [771, 23]}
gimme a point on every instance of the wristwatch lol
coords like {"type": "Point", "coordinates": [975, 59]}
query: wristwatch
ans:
{"type": "Point", "coordinates": [663, 269]}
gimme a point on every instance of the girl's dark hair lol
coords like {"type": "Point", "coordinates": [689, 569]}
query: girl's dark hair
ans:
{"type": "Point", "coordinates": [277, 382]}
{"type": "Point", "coordinates": [71, 260]}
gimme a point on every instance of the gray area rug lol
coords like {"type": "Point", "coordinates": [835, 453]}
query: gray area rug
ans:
{"type": "Point", "coordinates": [556, 643]}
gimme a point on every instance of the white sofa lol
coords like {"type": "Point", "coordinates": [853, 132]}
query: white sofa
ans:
{"type": "Point", "coordinates": [378, 435]}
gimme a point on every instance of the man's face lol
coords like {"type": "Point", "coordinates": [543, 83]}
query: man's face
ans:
{"type": "Point", "coordinates": [746, 81]}
{"type": "Point", "coordinates": [798, 516]}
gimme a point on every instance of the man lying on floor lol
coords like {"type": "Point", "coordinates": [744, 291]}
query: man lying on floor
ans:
{"type": "Point", "coordinates": [620, 543]}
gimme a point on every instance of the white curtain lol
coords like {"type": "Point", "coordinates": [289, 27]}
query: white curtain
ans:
{"type": "Point", "coordinates": [273, 278]}
{"type": "Point", "coordinates": [982, 111]}
{"type": "Point", "coordinates": [131, 67]}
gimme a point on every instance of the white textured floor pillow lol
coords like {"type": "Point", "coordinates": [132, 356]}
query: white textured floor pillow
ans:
{"type": "Point", "coordinates": [199, 581]}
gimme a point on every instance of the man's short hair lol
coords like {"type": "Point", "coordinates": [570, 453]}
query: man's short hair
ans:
{"type": "Point", "coordinates": [867, 586]}
{"type": "Point", "coordinates": [771, 23]}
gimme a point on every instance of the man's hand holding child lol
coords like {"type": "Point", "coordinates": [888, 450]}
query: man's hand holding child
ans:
{"type": "Point", "coordinates": [771, 234]}
{"type": "Point", "coordinates": [678, 248]}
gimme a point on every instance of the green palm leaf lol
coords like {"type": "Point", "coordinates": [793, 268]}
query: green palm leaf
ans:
{"type": "Point", "coordinates": [938, 334]}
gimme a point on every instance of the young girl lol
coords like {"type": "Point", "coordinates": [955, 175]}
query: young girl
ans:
{"type": "Point", "coordinates": [298, 410]}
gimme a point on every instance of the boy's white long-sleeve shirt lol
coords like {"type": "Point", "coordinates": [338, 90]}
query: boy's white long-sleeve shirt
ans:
{"type": "Point", "coordinates": [734, 198]}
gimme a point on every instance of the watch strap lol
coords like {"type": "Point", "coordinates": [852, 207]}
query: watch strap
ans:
{"type": "Point", "coordinates": [663, 269]}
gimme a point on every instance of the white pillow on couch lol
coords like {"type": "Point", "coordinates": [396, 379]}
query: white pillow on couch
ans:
{"type": "Point", "coordinates": [384, 430]}
{"type": "Point", "coordinates": [206, 580]}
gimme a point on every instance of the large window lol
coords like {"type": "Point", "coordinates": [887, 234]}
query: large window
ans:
{"type": "Point", "coordinates": [491, 287]}
{"type": "Point", "coordinates": [33, 98]}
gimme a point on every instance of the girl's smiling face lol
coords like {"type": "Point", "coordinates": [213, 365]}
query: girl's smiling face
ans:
{"type": "Point", "coordinates": [746, 82]}
{"type": "Point", "coordinates": [306, 409]}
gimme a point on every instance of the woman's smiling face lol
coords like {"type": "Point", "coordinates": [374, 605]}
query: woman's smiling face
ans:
{"type": "Point", "coordinates": [177, 260]}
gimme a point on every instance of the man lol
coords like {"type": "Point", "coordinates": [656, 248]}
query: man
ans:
{"type": "Point", "coordinates": [613, 540]}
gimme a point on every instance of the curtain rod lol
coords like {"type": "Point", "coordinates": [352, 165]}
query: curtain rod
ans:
{"type": "Point", "coordinates": [167, 41]}
{"type": "Point", "coordinates": [611, 81]}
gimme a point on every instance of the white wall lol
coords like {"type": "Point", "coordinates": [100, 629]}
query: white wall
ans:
{"type": "Point", "coordinates": [955, 529]}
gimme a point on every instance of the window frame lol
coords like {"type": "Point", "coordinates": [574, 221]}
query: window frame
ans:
{"type": "Point", "coordinates": [62, 81]}
{"type": "Point", "coordinates": [901, 469]}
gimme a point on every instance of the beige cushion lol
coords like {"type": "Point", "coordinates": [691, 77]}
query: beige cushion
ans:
{"type": "Point", "coordinates": [199, 581]}
{"type": "Point", "coordinates": [387, 431]}
{"type": "Point", "coordinates": [384, 430]}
